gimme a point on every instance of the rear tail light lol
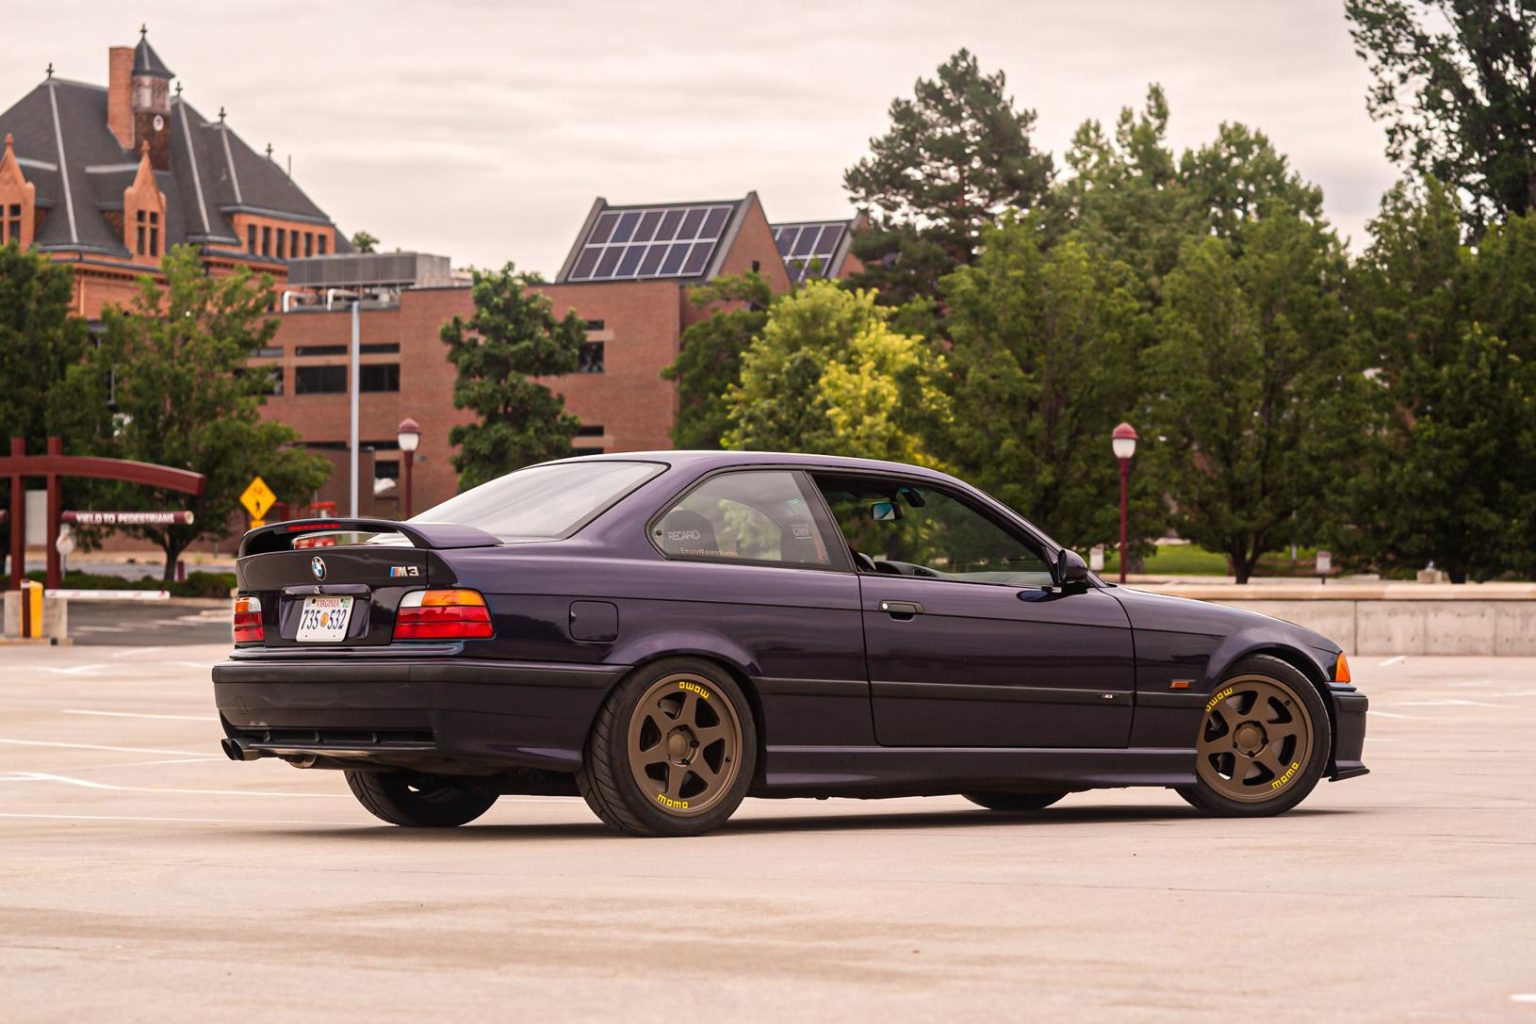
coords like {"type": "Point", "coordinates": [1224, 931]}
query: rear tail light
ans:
{"type": "Point", "coordinates": [248, 621]}
{"type": "Point", "coordinates": [443, 615]}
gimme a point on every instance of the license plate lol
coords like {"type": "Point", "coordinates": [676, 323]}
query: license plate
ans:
{"type": "Point", "coordinates": [323, 620]}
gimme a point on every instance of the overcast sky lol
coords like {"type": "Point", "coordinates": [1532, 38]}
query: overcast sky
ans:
{"type": "Point", "coordinates": [482, 129]}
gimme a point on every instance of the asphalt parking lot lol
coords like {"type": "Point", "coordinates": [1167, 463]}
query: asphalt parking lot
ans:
{"type": "Point", "coordinates": [145, 878]}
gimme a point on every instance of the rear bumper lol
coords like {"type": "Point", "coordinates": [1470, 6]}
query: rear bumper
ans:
{"type": "Point", "coordinates": [1349, 733]}
{"type": "Point", "coordinates": [393, 711]}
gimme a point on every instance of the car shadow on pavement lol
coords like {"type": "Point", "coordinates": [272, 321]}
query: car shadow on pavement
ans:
{"type": "Point", "coordinates": [790, 822]}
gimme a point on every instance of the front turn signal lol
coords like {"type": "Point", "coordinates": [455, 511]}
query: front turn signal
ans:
{"type": "Point", "coordinates": [449, 614]}
{"type": "Point", "coordinates": [1341, 670]}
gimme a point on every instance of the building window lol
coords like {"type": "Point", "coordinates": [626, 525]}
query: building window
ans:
{"type": "Point", "coordinates": [380, 376]}
{"type": "Point", "coordinates": [320, 245]}
{"type": "Point", "coordinates": [154, 233]}
{"type": "Point", "coordinates": [273, 373]}
{"type": "Point", "coordinates": [320, 350]}
{"type": "Point", "coordinates": [309, 244]}
{"type": "Point", "coordinates": [319, 380]}
{"type": "Point", "coordinates": [590, 359]}
{"type": "Point", "coordinates": [139, 249]}
{"type": "Point", "coordinates": [266, 241]}
{"type": "Point", "coordinates": [10, 223]}
{"type": "Point", "coordinates": [589, 430]}
{"type": "Point", "coordinates": [380, 349]}
{"type": "Point", "coordinates": [293, 244]}
{"type": "Point", "coordinates": [282, 244]}
{"type": "Point", "coordinates": [593, 325]}
{"type": "Point", "coordinates": [250, 238]}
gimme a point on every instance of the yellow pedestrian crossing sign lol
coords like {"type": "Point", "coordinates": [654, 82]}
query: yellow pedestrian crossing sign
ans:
{"type": "Point", "coordinates": [258, 498]}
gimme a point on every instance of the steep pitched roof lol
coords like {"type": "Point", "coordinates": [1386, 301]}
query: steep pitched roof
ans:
{"type": "Point", "coordinates": [65, 148]}
{"type": "Point", "coordinates": [647, 242]}
{"type": "Point", "coordinates": [146, 61]}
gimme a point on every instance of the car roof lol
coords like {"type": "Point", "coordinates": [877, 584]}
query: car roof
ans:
{"type": "Point", "coordinates": [710, 460]}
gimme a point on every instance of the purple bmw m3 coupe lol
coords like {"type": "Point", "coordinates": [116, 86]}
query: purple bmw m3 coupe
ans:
{"type": "Point", "coordinates": [666, 633]}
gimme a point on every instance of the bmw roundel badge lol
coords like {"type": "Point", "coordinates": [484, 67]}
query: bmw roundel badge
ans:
{"type": "Point", "coordinates": [317, 566]}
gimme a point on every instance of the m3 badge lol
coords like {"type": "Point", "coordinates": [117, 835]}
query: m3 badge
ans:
{"type": "Point", "coordinates": [396, 571]}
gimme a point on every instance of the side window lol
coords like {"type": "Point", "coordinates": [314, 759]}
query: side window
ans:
{"type": "Point", "coordinates": [755, 516]}
{"type": "Point", "coordinates": [904, 529]}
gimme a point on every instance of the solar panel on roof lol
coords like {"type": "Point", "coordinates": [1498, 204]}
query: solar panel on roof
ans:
{"type": "Point", "coordinates": [808, 249]}
{"type": "Point", "coordinates": [628, 245]}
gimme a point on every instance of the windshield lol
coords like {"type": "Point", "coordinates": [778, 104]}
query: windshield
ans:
{"type": "Point", "coordinates": [542, 501]}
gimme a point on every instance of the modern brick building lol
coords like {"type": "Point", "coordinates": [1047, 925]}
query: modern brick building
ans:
{"type": "Point", "coordinates": [107, 178]}
{"type": "Point", "coordinates": [627, 277]}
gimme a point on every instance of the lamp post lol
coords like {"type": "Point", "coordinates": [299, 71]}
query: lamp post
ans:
{"type": "Point", "coordinates": [409, 436]}
{"type": "Point", "coordinates": [1123, 441]}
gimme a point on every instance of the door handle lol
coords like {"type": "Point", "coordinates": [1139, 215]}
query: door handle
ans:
{"type": "Point", "coordinates": [903, 610]}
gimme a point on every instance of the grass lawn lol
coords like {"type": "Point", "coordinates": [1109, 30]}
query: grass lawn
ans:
{"type": "Point", "coordinates": [1192, 560]}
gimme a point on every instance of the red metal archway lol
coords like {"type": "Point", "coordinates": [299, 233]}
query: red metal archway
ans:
{"type": "Point", "coordinates": [19, 465]}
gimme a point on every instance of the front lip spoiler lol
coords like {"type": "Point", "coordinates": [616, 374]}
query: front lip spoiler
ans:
{"type": "Point", "coordinates": [1349, 773]}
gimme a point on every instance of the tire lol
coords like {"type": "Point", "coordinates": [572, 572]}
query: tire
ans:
{"type": "Point", "coordinates": [672, 752]}
{"type": "Point", "coordinates": [1262, 744]}
{"type": "Point", "coordinates": [1014, 802]}
{"type": "Point", "coordinates": [416, 800]}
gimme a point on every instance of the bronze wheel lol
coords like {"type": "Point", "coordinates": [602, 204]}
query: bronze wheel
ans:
{"type": "Point", "coordinates": [1256, 737]}
{"type": "Point", "coordinates": [1263, 741]}
{"type": "Point", "coordinates": [672, 751]}
{"type": "Point", "coordinates": [684, 745]}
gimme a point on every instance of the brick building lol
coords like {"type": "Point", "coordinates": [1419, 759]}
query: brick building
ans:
{"type": "Point", "coordinates": [107, 178]}
{"type": "Point", "coordinates": [626, 276]}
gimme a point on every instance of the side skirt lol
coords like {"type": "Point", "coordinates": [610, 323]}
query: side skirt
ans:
{"type": "Point", "coordinates": [924, 771]}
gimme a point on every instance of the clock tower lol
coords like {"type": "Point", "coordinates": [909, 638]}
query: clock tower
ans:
{"type": "Point", "coordinates": [151, 103]}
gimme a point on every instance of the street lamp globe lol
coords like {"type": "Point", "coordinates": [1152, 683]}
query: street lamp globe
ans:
{"type": "Point", "coordinates": [408, 434]}
{"type": "Point", "coordinates": [1123, 441]}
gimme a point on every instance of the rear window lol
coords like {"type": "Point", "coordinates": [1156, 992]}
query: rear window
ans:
{"type": "Point", "coordinates": [542, 501]}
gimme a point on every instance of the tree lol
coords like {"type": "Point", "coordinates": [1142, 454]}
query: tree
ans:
{"type": "Point", "coordinates": [1455, 85]}
{"type": "Point", "coordinates": [1446, 473]}
{"type": "Point", "coordinates": [40, 341]}
{"type": "Point", "coordinates": [829, 375]}
{"type": "Point", "coordinates": [364, 243]}
{"type": "Point", "coordinates": [1043, 366]}
{"type": "Point", "coordinates": [710, 360]}
{"type": "Point", "coordinates": [183, 396]}
{"type": "Point", "coordinates": [1250, 386]}
{"type": "Point", "coordinates": [512, 337]}
{"type": "Point", "coordinates": [956, 155]}
{"type": "Point", "coordinates": [1126, 196]}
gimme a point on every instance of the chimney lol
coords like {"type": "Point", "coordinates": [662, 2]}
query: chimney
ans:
{"type": "Point", "coordinates": [120, 94]}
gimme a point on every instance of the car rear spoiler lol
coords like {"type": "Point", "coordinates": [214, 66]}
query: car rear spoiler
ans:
{"type": "Point", "coordinates": [280, 536]}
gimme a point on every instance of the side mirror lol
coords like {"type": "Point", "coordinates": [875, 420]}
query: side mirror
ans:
{"type": "Point", "coordinates": [1070, 568]}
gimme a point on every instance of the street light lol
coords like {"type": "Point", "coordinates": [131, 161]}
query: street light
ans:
{"type": "Point", "coordinates": [1123, 441]}
{"type": "Point", "coordinates": [409, 436]}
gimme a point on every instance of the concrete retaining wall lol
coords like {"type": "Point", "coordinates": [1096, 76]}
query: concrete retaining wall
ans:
{"type": "Point", "coordinates": [1393, 618]}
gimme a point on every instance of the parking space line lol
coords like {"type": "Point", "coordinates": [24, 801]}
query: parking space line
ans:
{"type": "Point", "coordinates": [137, 714]}
{"type": "Point", "coordinates": [132, 651]}
{"type": "Point", "coordinates": [70, 780]}
{"type": "Point", "coordinates": [1395, 661]}
{"type": "Point", "coordinates": [189, 821]}
{"type": "Point", "coordinates": [97, 746]}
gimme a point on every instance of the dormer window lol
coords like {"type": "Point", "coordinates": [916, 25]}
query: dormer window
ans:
{"type": "Point", "coordinates": [148, 233]}
{"type": "Point", "coordinates": [10, 223]}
